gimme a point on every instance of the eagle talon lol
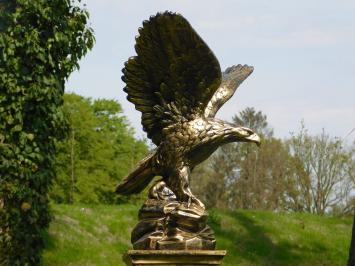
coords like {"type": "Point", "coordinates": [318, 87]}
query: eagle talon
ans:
{"type": "Point", "coordinates": [189, 202]}
{"type": "Point", "coordinates": [194, 200]}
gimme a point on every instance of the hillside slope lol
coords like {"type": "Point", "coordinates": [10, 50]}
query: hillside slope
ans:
{"type": "Point", "coordinates": [100, 234]}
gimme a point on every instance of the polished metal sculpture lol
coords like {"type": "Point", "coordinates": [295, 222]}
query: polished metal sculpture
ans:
{"type": "Point", "coordinates": [176, 82]}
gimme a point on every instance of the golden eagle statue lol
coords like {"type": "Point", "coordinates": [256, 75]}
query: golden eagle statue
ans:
{"type": "Point", "coordinates": [175, 81]}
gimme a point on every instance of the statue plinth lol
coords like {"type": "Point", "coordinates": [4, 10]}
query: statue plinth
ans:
{"type": "Point", "coordinates": [175, 257]}
{"type": "Point", "coordinates": [167, 224]}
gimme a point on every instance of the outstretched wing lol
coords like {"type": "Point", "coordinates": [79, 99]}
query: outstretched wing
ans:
{"type": "Point", "coordinates": [232, 78]}
{"type": "Point", "coordinates": [173, 76]}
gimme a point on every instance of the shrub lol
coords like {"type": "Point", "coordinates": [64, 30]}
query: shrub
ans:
{"type": "Point", "coordinates": [40, 44]}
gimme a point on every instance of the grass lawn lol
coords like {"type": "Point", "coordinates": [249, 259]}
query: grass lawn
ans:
{"type": "Point", "coordinates": [100, 234]}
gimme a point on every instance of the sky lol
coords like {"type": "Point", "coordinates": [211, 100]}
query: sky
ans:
{"type": "Point", "coordinates": [303, 54]}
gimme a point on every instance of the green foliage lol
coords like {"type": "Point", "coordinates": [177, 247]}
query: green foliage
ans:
{"type": "Point", "coordinates": [99, 151]}
{"type": "Point", "coordinates": [40, 45]}
{"type": "Point", "coordinates": [100, 234]}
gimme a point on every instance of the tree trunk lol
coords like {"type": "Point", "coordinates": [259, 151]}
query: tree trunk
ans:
{"type": "Point", "coordinates": [351, 261]}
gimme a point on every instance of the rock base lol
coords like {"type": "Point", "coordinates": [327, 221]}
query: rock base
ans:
{"type": "Point", "coordinates": [168, 224]}
{"type": "Point", "coordinates": [175, 257]}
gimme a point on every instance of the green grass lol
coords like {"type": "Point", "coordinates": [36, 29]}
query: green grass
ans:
{"type": "Point", "coordinates": [100, 234]}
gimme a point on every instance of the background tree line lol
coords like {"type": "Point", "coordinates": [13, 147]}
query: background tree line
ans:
{"type": "Point", "coordinates": [303, 173]}
{"type": "Point", "coordinates": [98, 151]}
{"type": "Point", "coordinates": [306, 173]}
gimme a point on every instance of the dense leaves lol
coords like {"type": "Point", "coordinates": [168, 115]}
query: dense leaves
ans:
{"type": "Point", "coordinates": [98, 152]}
{"type": "Point", "coordinates": [40, 44]}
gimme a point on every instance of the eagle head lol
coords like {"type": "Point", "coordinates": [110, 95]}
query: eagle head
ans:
{"type": "Point", "coordinates": [244, 134]}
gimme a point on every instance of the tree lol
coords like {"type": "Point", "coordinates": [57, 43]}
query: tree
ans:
{"type": "Point", "coordinates": [304, 173]}
{"type": "Point", "coordinates": [41, 43]}
{"type": "Point", "coordinates": [256, 120]}
{"type": "Point", "coordinates": [323, 172]}
{"type": "Point", "coordinates": [351, 260]}
{"type": "Point", "coordinates": [99, 151]}
{"type": "Point", "coordinates": [242, 175]}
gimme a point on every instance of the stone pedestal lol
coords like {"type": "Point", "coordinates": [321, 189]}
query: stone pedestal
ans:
{"type": "Point", "coordinates": [175, 257]}
{"type": "Point", "coordinates": [168, 224]}
{"type": "Point", "coordinates": [172, 232]}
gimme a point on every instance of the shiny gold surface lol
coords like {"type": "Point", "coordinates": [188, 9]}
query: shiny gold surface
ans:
{"type": "Point", "coordinates": [176, 82]}
{"type": "Point", "coordinates": [168, 224]}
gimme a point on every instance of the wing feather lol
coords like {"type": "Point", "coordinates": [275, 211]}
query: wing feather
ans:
{"type": "Point", "coordinates": [173, 74]}
{"type": "Point", "coordinates": [231, 79]}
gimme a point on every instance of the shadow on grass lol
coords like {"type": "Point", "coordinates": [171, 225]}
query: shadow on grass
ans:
{"type": "Point", "coordinates": [253, 245]}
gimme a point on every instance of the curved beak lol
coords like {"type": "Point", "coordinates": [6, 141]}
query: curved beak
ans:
{"type": "Point", "coordinates": [247, 135]}
{"type": "Point", "coordinates": [254, 138]}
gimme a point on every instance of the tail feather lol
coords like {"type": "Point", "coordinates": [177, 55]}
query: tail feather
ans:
{"type": "Point", "coordinates": [138, 179]}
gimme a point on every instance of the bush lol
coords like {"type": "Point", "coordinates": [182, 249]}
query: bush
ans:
{"type": "Point", "coordinates": [40, 44]}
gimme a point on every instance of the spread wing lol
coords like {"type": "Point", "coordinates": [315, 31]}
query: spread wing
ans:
{"type": "Point", "coordinates": [232, 78]}
{"type": "Point", "coordinates": [173, 76]}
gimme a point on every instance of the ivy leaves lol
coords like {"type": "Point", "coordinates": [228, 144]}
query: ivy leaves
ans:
{"type": "Point", "coordinates": [41, 43]}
